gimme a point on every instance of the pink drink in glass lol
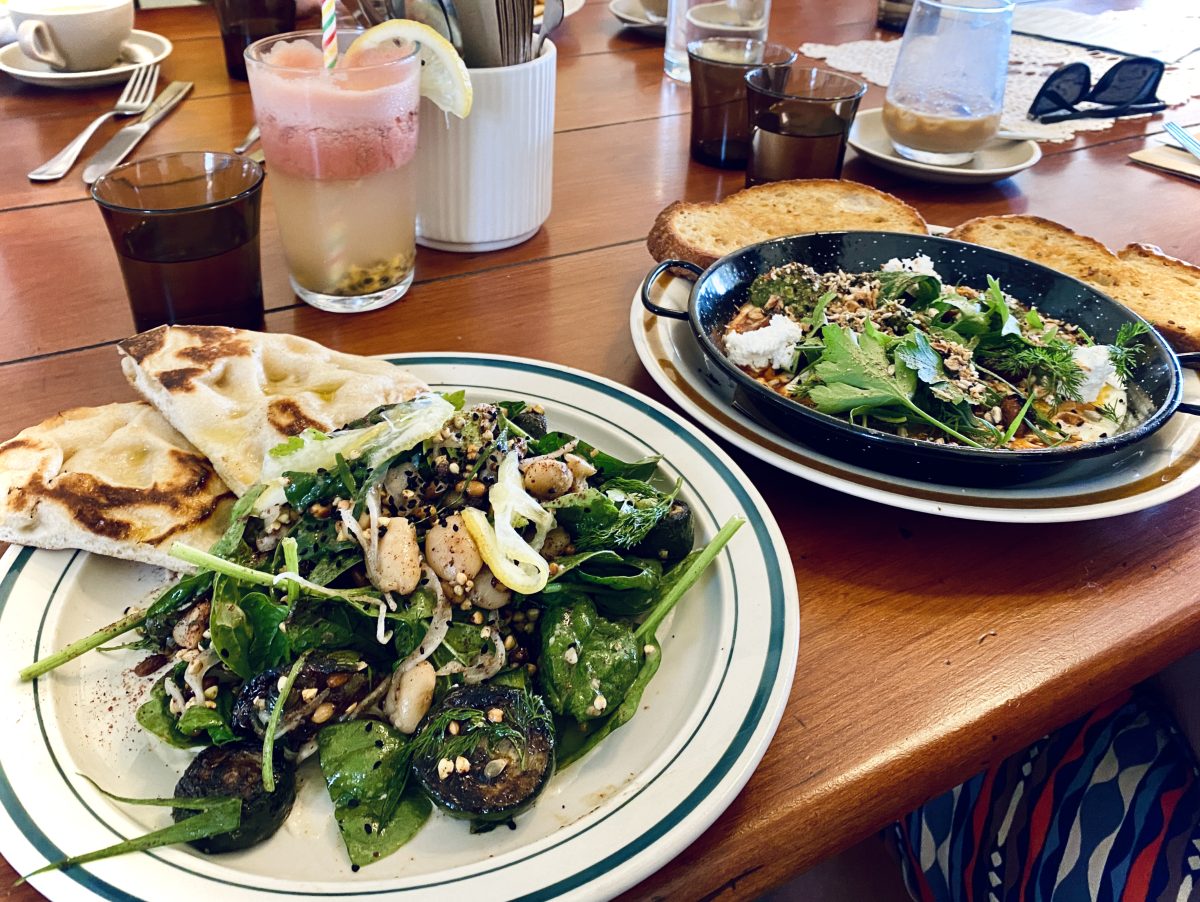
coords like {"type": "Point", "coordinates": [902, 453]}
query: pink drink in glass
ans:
{"type": "Point", "coordinates": [339, 146]}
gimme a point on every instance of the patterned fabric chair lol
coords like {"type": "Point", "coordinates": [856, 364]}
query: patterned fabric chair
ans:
{"type": "Point", "coordinates": [1106, 808]}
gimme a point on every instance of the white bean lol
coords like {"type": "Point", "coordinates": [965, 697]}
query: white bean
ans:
{"type": "Point", "coordinates": [558, 540]}
{"type": "Point", "coordinates": [449, 550]}
{"type": "Point", "coordinates": [488, 592]}
{"type": "Point", "coordinates": [546, 478]}
{"type": "Point", "coordinates": [409, 696]}
{"type": "Point", "coordinates": [399, 565]}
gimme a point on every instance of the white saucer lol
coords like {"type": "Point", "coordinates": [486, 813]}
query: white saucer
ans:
{"type": "Point", "coordinates": [998, 159]}
{"type": "Point", "coordinates": [633, 15]}
{"type": "Point", "coordinates": [1167, 464]}
{"type": "Point", "coordinates": [142, 47]}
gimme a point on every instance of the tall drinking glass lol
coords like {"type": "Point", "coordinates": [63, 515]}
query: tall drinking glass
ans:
{"type": "Point", "coordinates": [695, 20]}
{"type": "Point", "coordinates": [947, 90]}
{"type": "Point", "coordinates": [339, 145]}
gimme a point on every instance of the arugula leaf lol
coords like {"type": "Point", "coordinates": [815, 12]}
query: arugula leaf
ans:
{"type": "Point", "coordinates": [239, 518]}
{"type": "Point", "coordinates": [365, 764]}
{"type": "Point", "coordinates": [998, 310]}
{"type": "Point", "coordinates": [216, 815]}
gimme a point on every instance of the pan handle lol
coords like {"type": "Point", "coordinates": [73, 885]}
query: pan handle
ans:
{"type": "Point", "coordinates": [1189, 361]}
{"type": "Point", "coordinates": [653, 277]}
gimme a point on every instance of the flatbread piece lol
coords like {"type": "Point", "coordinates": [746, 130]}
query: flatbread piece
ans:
{"type": "Point", "coordinates": [236, 394]}
{"type": "Point", "coordinates": [116, 480]}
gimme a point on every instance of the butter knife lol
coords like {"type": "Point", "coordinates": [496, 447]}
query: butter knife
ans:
{"type": "Point", "coordinates": [126, 139]}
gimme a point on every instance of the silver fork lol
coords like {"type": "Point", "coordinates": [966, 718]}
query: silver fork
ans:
{"type": "Point", "coordinates": [136, 97]}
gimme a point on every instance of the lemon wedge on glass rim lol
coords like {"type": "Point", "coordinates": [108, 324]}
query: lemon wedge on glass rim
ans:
{"type": "Point", "coordinates": [444, 76]}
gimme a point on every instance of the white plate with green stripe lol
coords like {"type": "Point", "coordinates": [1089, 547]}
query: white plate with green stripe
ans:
{"type": "Point", "coordinates": [612, 819]}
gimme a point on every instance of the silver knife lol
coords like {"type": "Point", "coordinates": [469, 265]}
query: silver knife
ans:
{"type": "Point", "coordinates": [126, 139]}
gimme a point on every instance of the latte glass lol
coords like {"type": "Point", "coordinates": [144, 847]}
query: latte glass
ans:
{"type": "Point", "coordinates": [947, 90]}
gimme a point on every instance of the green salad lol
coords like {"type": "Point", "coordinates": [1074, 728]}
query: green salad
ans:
{"type": "Point", "coordinates": [439, 605]}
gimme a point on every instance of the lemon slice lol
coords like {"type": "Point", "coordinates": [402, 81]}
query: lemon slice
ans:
{"type": "Point", "coordinates": [444, 76]}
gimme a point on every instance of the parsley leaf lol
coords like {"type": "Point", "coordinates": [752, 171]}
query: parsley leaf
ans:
{"type": "Point", "coordinates": [855, 377]}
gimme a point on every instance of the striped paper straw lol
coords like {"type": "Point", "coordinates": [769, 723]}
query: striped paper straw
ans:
{"type": "Point", "coordinates": [329, 43]}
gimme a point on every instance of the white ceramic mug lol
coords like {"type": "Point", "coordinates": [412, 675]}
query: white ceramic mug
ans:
{"type": "Point", "coordinates": [72, 35]}
{"type": "Point", "coordinates": [484, 182]}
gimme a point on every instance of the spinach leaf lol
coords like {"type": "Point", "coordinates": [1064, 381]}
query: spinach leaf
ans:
{"type": "Point", "coordinates": [165, 611]}
{"type": "Point", "coordinates": [652, 657]}
{"type": "Point", "coordinates": [245, 631]}
{"type": "Point", "coordinates": [620, 586]}
{"type": "Point", "coordinates": [303, 490]}
{"type": "Point", "coordinates": [463, 643]}
{"type": "Point", "coordinates": [588, 663]}
{"type": "Point", "coordinates": [365, 764]}
{"type": "Point", "coordinates": [607, 466]}
{"type": "Point", "coordinates": [154, 715]}
{"type": "Point", "coordinates": [200, 719]}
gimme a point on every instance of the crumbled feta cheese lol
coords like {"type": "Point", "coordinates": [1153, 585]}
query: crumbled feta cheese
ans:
{"type": "Point", "coordinates": [772, 345]}
{"type": "Point", "coordinates": [921, 264]}
{"type": "Point", "coordinates": [1097, 371]}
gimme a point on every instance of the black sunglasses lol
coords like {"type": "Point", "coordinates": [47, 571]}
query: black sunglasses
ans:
{"type": "Point", "coordinates": [1128, 88]}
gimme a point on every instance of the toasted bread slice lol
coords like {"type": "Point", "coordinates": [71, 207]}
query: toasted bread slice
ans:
{"type": "Point", "coordinates": [1167, 293]}
{"type": "Point", "coordinates": [1049, 243]}
{"type": "Point", "coordinates": [702, 233]}
{"type": "Point", "coordinates": [1164, 290]}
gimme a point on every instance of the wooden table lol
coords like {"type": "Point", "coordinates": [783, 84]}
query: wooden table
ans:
{"type": "Point", "coordinates": [929, 646]}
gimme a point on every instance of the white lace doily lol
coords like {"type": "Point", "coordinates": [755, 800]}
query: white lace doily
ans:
{"type": "Point", "coordinates": [1030, 61]}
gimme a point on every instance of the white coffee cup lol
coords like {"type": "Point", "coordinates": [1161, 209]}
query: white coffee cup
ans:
{"type": "Point", "coordinates": [72, 35]}
{"type": "Point", "coordinates": [483, 183]}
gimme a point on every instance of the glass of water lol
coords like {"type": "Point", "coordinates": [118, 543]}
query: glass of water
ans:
{"type": "Point", "coordinates": [695, 20]}
{"type": "Point", "coordinates": [947, 91]}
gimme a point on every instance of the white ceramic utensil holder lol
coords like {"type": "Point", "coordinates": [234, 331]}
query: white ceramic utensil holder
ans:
{"type": "Point", "coordinates": [483, 183]}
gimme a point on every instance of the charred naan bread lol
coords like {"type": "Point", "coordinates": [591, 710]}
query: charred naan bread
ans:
{"type": "Point", "coordinates": [236, 394]}
{"type": "Point", "coordinates": [117, 480]}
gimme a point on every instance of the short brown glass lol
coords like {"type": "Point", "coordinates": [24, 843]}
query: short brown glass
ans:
{"type": "Point", "coordinates": [799, 118]}
{"type": "Point", "coordinates": [718, 66]}
{"type": "Point", "coordinates": [185, 228]}
{"type": "Point", "coordinates": [243, 22]}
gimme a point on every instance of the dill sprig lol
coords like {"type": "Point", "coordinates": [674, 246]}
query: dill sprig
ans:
{"type": "Point", "coordinates": [1123, 353]}
{"type": "Point", "coordinates": [435, 741]}
{"type": "Point", "coordinates": [1051, 365]}
{"type": "Point", "coordinates": [640, 506]}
